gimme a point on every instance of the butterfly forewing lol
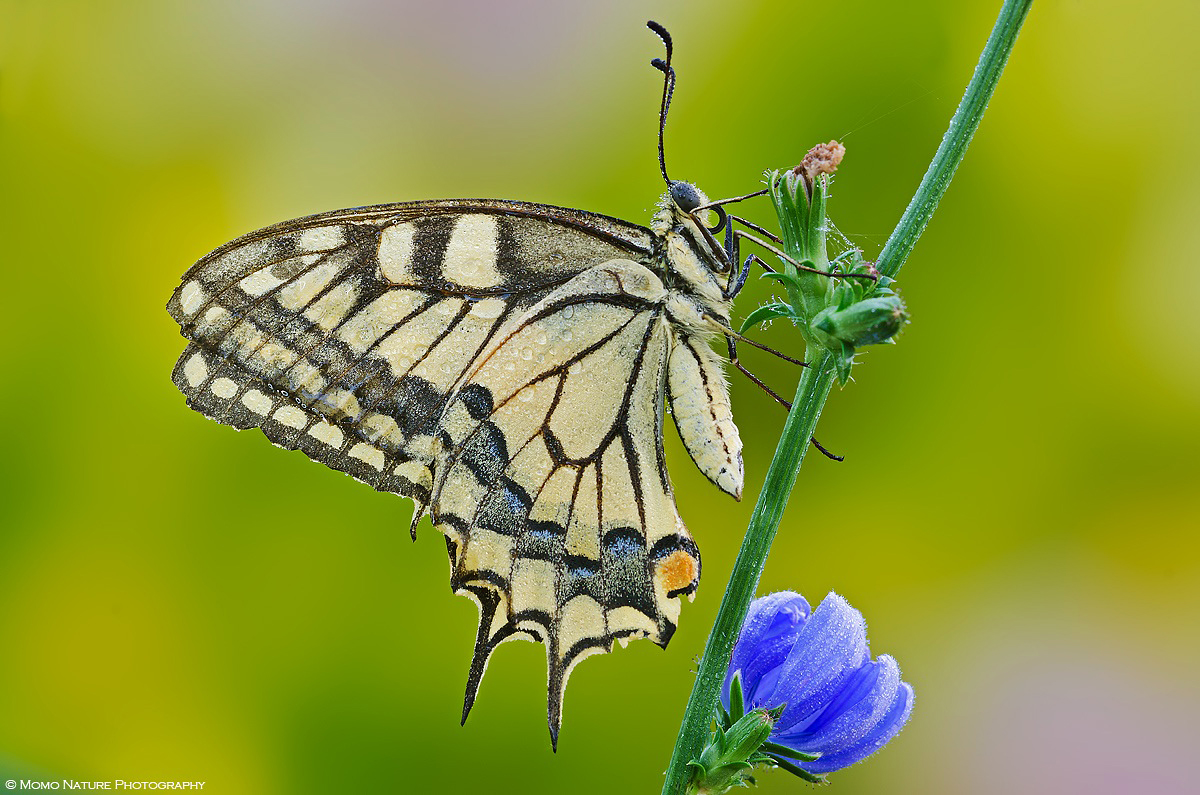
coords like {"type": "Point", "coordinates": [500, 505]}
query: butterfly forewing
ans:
{"type": "Point", "coordinates": [342, 334]}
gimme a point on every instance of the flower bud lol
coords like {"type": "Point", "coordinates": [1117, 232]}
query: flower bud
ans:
{"type": "Point", "coordinates": [867, 322]}
{"type": "Point", "coordinates": [731, 752]}
{"type": "Point", "coordinates": [744, 737]}
{"type": "Point", "coordinates": [821, 159]}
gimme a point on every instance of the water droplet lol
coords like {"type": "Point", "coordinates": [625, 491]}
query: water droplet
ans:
{"type": "Point", "coordinates": [526, 353]}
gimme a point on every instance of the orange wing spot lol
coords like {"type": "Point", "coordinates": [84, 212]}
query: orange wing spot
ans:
{"type": "Point", "coordinates": [678, 572]}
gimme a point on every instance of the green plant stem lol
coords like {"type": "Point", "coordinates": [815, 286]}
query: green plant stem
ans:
{"type": "Point", "coordinates": [815, 383]}
{"type": "Point", "coordinates": [958, 137]}
{"type": "Point", "coordinates": [811, 393]}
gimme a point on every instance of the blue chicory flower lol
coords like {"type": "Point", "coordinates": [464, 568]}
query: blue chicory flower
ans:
{"type": "Point", "coordinates": [841, 704]}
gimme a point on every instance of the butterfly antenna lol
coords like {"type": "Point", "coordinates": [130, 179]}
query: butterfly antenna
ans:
{"type": "Point", "coordinates": [668, 90]}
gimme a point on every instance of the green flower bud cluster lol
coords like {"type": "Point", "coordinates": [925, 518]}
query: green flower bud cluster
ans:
{"type": "Point", "coordinates": [838, 305]}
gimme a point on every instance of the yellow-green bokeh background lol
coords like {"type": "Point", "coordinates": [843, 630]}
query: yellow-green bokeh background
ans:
{"type": "Point", "coordinates": [1017, 512]}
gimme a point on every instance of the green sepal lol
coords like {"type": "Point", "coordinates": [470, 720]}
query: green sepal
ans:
{"type": "Point", "coordinates": [766, 313]}
{"type": "Point", "coordinates": [800, 206]}
{"type": "Point", "coordinates": [795, 770]}
{"type": "Point", "coordinates": [737, 700]}
{"type": "Point", "coordinates": [793, 206]}
{"type": "Point", "coordinates": [731, 753]}
{"type": "Point", "coordinates": [843, 362]}
{"type": "Point", "coordinates": [723, 719]}
{"type": "Point", "coordinates": [783, 750]}
{"type": "Point", "coordinates": [747, 735]}
{"type": "Point", "coordinates": [847, 261]}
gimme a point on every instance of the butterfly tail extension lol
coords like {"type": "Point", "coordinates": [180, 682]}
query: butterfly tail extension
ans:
{"type": "Point", "coordinates": [487, 639]}
{"type": "Point", "coordinates": [673, 568]}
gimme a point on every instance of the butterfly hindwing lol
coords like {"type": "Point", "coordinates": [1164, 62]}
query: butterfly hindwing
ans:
{"type": "Point", "coordinates": [552, 486]}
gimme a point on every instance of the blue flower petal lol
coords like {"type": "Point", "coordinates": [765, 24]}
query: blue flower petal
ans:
{"type": "Point", "coordinates": [854, 713]}
{"type": "Point", "coordinates": [761, 673]}
{"type": "Point", "coordinates": [854, 703]}
{"type": "Point", "coordinates": [830, 648]}
{"type": "Point", "coordinates": [884, 731]}
{"type": "Point", "coordinates": [772, 625]}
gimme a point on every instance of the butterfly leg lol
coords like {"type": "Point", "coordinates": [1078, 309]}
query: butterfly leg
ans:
{"type": "Point", "coordinates": [733, 359]}
{"type": "Point", "coordinates": [733, 254]}
{"type": "Point", "coordinates": [733, 335]}
{"type": "Point", "coordinates": [799, 265]}
{"type": "Point", "coordinates": [824, 452]}
{"type": "Point", "coordinates": [765, 265]}
{"type": "Point", "coordinates": [737, 284]}
{"type": "Point", "coordinates": [756, 228]}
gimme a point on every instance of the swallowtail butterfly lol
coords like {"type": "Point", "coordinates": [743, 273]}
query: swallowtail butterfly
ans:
{"type": "Point", "coordinates": [505, 365]}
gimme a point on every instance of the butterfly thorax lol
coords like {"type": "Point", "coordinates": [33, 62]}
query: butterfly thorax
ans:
{"type": "Point", "coordinates": [686, 259]}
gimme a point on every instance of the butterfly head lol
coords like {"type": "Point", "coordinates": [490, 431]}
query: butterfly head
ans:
{"type": "Point", "coordinates": [682, 201]}
{"type": "Point", "coordinates": [687, 197]}
{"type": "Point", "coordinates": [677, 210]}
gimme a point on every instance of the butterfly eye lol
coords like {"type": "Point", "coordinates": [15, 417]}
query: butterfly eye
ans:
{"type": "Point", "coordinates": [685, 195]}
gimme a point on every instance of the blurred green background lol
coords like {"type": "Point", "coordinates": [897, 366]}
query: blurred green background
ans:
{"type": "Point", "coordinates": [1016, 515]}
